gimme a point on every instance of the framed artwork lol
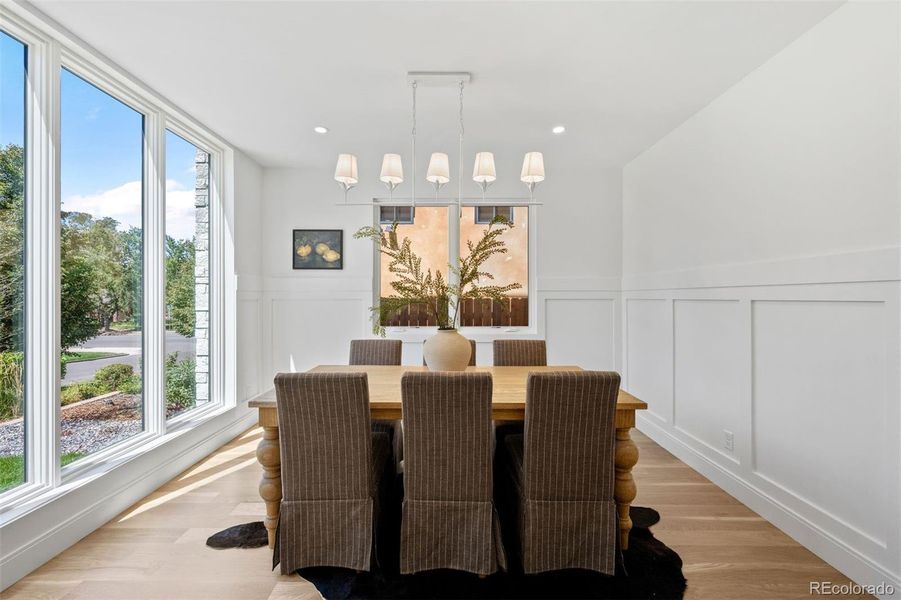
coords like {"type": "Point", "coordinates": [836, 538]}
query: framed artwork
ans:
{"type": "Point", "coordinates": [318, 249]}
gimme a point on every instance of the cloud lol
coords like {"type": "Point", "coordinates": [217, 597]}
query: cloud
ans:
{"type": "Point", "coordinates": [123, 203]}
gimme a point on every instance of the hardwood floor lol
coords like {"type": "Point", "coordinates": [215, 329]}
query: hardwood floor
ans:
{"type": "Point", "coordinates": [156, 548]}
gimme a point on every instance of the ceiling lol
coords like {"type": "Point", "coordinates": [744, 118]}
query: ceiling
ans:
{"type": "Point", "coordinates": [618, 75]}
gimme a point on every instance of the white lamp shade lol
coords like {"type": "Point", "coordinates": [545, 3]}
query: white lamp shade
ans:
{"type": "Point", "coordinates": [439, 168]}
{"type": "Point", "coordinates": [483, 171]}
{"type": "Point", "coordinates": [532, 168]}
{"type": "Point", "coordinates": [346, 169]}
{"type": "Point", "coordinates": [392, 169]}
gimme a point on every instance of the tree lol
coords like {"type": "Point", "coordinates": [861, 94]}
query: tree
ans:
{"type": "Point", "coordinates": [180, 285]}
{"type": "Point", "coordinates": [12, 235]}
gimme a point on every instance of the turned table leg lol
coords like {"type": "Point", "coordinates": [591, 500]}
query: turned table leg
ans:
{"type": "Point", "coordinates": [271, 483]}
{"type": "Point", "coordinates": [624, 486]}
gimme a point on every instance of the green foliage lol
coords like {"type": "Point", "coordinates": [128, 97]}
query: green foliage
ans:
{"type": "Point", "coordinates": [76, 392]}
{"type": "Point", "coordinates": [12, 385]}
{"type": "Point", "coordinates": [180, 285]}
{"type": "Point", "coordinates": [12, 235]}
{"type": "Point", "coordinates": [115, 377]}
{"type": "Point", "coordinates": [181, 390]}
{"type": "Point", "coordinates": [412, 286]}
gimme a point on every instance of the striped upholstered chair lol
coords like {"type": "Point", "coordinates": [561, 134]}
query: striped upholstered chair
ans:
{"type": "Point", "coordinates": [520, 353]}
{"type": "Point", "coordinates": [375, 352]}
{"type": "Point", "coordinates": [332, 468]}
{"type": "Point", "coordinates": [472, 355]}
{"type": "Point", "coordinates": [558, 476]}
{"type": "Point", "coordinates": [449, 519]}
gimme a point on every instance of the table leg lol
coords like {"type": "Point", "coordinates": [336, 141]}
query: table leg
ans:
{"type": "Point", "coordinates": [624, 486]}
{"type": "Point", "coordinates": [269, 456]}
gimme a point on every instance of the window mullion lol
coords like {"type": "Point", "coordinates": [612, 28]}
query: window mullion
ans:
{"type": "Point", "coordinates": [154, 326]}
{"type": "Point", "coordinates": [42, 302]}
{"type": "Point", "coordinates": [453, 246]}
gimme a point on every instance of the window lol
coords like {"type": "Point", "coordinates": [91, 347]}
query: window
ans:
{"type": "Point", "coordinates": [12, 262]}
{"type": "Point", "coordinates": [389, 215]}
{"type": "Point", "coordinates": [429, 232]}
{"type": "Point", "coordinates": [85, 256]}
{"type": "Point", "coordinates": [101, 262]}
{"type": "Point", "coordinates": [486, 214]}
{"type": "Point", "coordinates": [509, 268]}
{"type": "Point", "coordinates": [187, 275]}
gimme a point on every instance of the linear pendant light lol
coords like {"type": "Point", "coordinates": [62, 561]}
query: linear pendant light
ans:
{"type": "Point", "coordinates": [438, 174]}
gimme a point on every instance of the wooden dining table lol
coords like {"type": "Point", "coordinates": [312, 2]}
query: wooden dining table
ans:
{"type": "Point", "coordinates": [508, 404]}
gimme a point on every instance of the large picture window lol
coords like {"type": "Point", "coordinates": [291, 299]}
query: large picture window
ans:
{"type": "Point", "coordinates": [112, 260]}
{"type": "Point", "coordinates": [101, 263]}
{"type": "Point", "coordinates": [12, 262]}
{"type": "Point", "coordinates": [429, 230]}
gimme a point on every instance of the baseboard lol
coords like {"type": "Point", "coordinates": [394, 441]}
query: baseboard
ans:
{"type": "Point", "coordinates": [105, 504]}
{"type": "Point", "coordinates": [855, 566]}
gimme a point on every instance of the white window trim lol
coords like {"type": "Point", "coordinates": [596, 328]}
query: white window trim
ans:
{"type": "Point", "coordinates": [51, 47]}
{"type": "Point", "coordinates": [479, 334]}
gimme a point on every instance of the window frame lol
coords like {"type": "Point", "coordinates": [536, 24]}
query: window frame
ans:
{"type": "Point", "coordinates": [417, 333]}
{"type": "Point", "coordinates": [50, 48]}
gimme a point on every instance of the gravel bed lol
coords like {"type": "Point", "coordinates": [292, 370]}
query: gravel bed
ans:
{"type": "Point", "coordinates": [86, 427]}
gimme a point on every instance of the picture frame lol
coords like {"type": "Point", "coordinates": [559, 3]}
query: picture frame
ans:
{"type": "Point", "coordinates": [317, 249]}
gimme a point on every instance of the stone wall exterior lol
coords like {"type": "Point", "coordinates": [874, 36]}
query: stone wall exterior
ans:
{"type": "Point", "coordinates": [202, 275]}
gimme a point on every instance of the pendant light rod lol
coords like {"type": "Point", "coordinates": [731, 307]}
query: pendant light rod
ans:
{"type": "Point", "coordinates": [460, 159]}
{"type": "Point", "coordinates": [413, 84]}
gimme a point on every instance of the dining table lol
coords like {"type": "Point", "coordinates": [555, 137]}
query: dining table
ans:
{"type": "Point", "coordinates": [508, 404]}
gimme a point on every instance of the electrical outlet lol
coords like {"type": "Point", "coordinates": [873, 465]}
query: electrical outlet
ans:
{"type": "Point", "coordinates": [728, 440]}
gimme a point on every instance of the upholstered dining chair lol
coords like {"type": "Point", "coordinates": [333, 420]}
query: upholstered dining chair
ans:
{"type": "Point", "coordinates": [332, 467]}
{"type": "Point", "coordinates": [472, 355]}
{"type": "Point", "coordinates": [448, 516]}
{"type": "Point", "coordinates": [376, 352]}
{"type": "Point", "coordinates": [558, 476]}
{"type": "Point", "coordinates": [520, 353]}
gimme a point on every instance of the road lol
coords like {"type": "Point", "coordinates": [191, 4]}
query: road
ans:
{"type": "Point", "coordinates": [128, 344]}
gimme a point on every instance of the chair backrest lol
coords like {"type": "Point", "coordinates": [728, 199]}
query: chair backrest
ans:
{"type": "Point", "coordinates": [447, 436]}
{"type": "Point", "coordinates": [376, 352]}
{"type": "Point", "coordinates": [570, 435]}
{"type": "Point", "coordinates": [324, 435]}
{"type": "Point", "coordinates": [472, 355]}
{"type": "Point", "coordinates": [520, 353]}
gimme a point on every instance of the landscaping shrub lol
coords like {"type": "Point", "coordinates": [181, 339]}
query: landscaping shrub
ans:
{"type": "Point", "coordinates": [180, 386]}
{"type": "Point", "coordinates": [12, 385]}
{"type": "Point", "coordinates": [76, 392]}
{"type": "Point", "coordinates": [116, 377]}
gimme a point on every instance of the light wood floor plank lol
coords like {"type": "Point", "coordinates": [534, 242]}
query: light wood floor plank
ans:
{"type": "Point", "coordinates": [155, 549]}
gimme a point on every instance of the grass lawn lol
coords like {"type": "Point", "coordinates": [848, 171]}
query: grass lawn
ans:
{"type": "Point", "coordinates": [72, 357]}
{"type": "Point", "coordinates": [11, 469]}
{"type": "Point", "coordinates": [128, 325]}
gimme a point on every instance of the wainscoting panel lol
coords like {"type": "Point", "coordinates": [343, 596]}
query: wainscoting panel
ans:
{"type": "Point", "coordinates": [707, 372]}
{"type": "Point", "coordinates": [807, 378]}
{"type": "Point", "coordinates": [581, 331]}
{"type": "Point", "coordinates": [820, 399]}
{"type": "Point", "coordinates": [310, 331]}
{"type": "Point", "coordinates": [649, 353]}
{"type": "Point", "coordinates": [249, 347]}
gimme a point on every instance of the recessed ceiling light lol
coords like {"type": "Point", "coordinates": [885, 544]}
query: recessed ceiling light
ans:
{"type": "Point", "coordinates": [559, 129]}
{"type": "Point", "coordinates": [320, 129]}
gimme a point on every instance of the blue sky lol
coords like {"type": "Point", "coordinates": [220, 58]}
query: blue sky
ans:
{"type": "Point", "coordinates": [101, 148]}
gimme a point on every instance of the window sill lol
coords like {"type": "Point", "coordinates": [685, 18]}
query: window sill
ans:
{"type": "Point", "coordinates": [84, 471]}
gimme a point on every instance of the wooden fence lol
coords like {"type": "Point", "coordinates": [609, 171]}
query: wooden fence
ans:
{"type": "Point", "coordinates": [482, 312]}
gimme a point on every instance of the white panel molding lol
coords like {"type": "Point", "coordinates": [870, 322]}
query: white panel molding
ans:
{"type": "Point", "coordinates": [880, 264]}
{"type": "Point", "coordinates": [817, 520]}
{"type": "Point", "coordinates": [859, 567]}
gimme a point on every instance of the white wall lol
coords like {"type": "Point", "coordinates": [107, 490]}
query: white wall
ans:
{"type": "Point", "coordinates": [309, 317]}
{"type": "Point", "coordinates": [761, 290]}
